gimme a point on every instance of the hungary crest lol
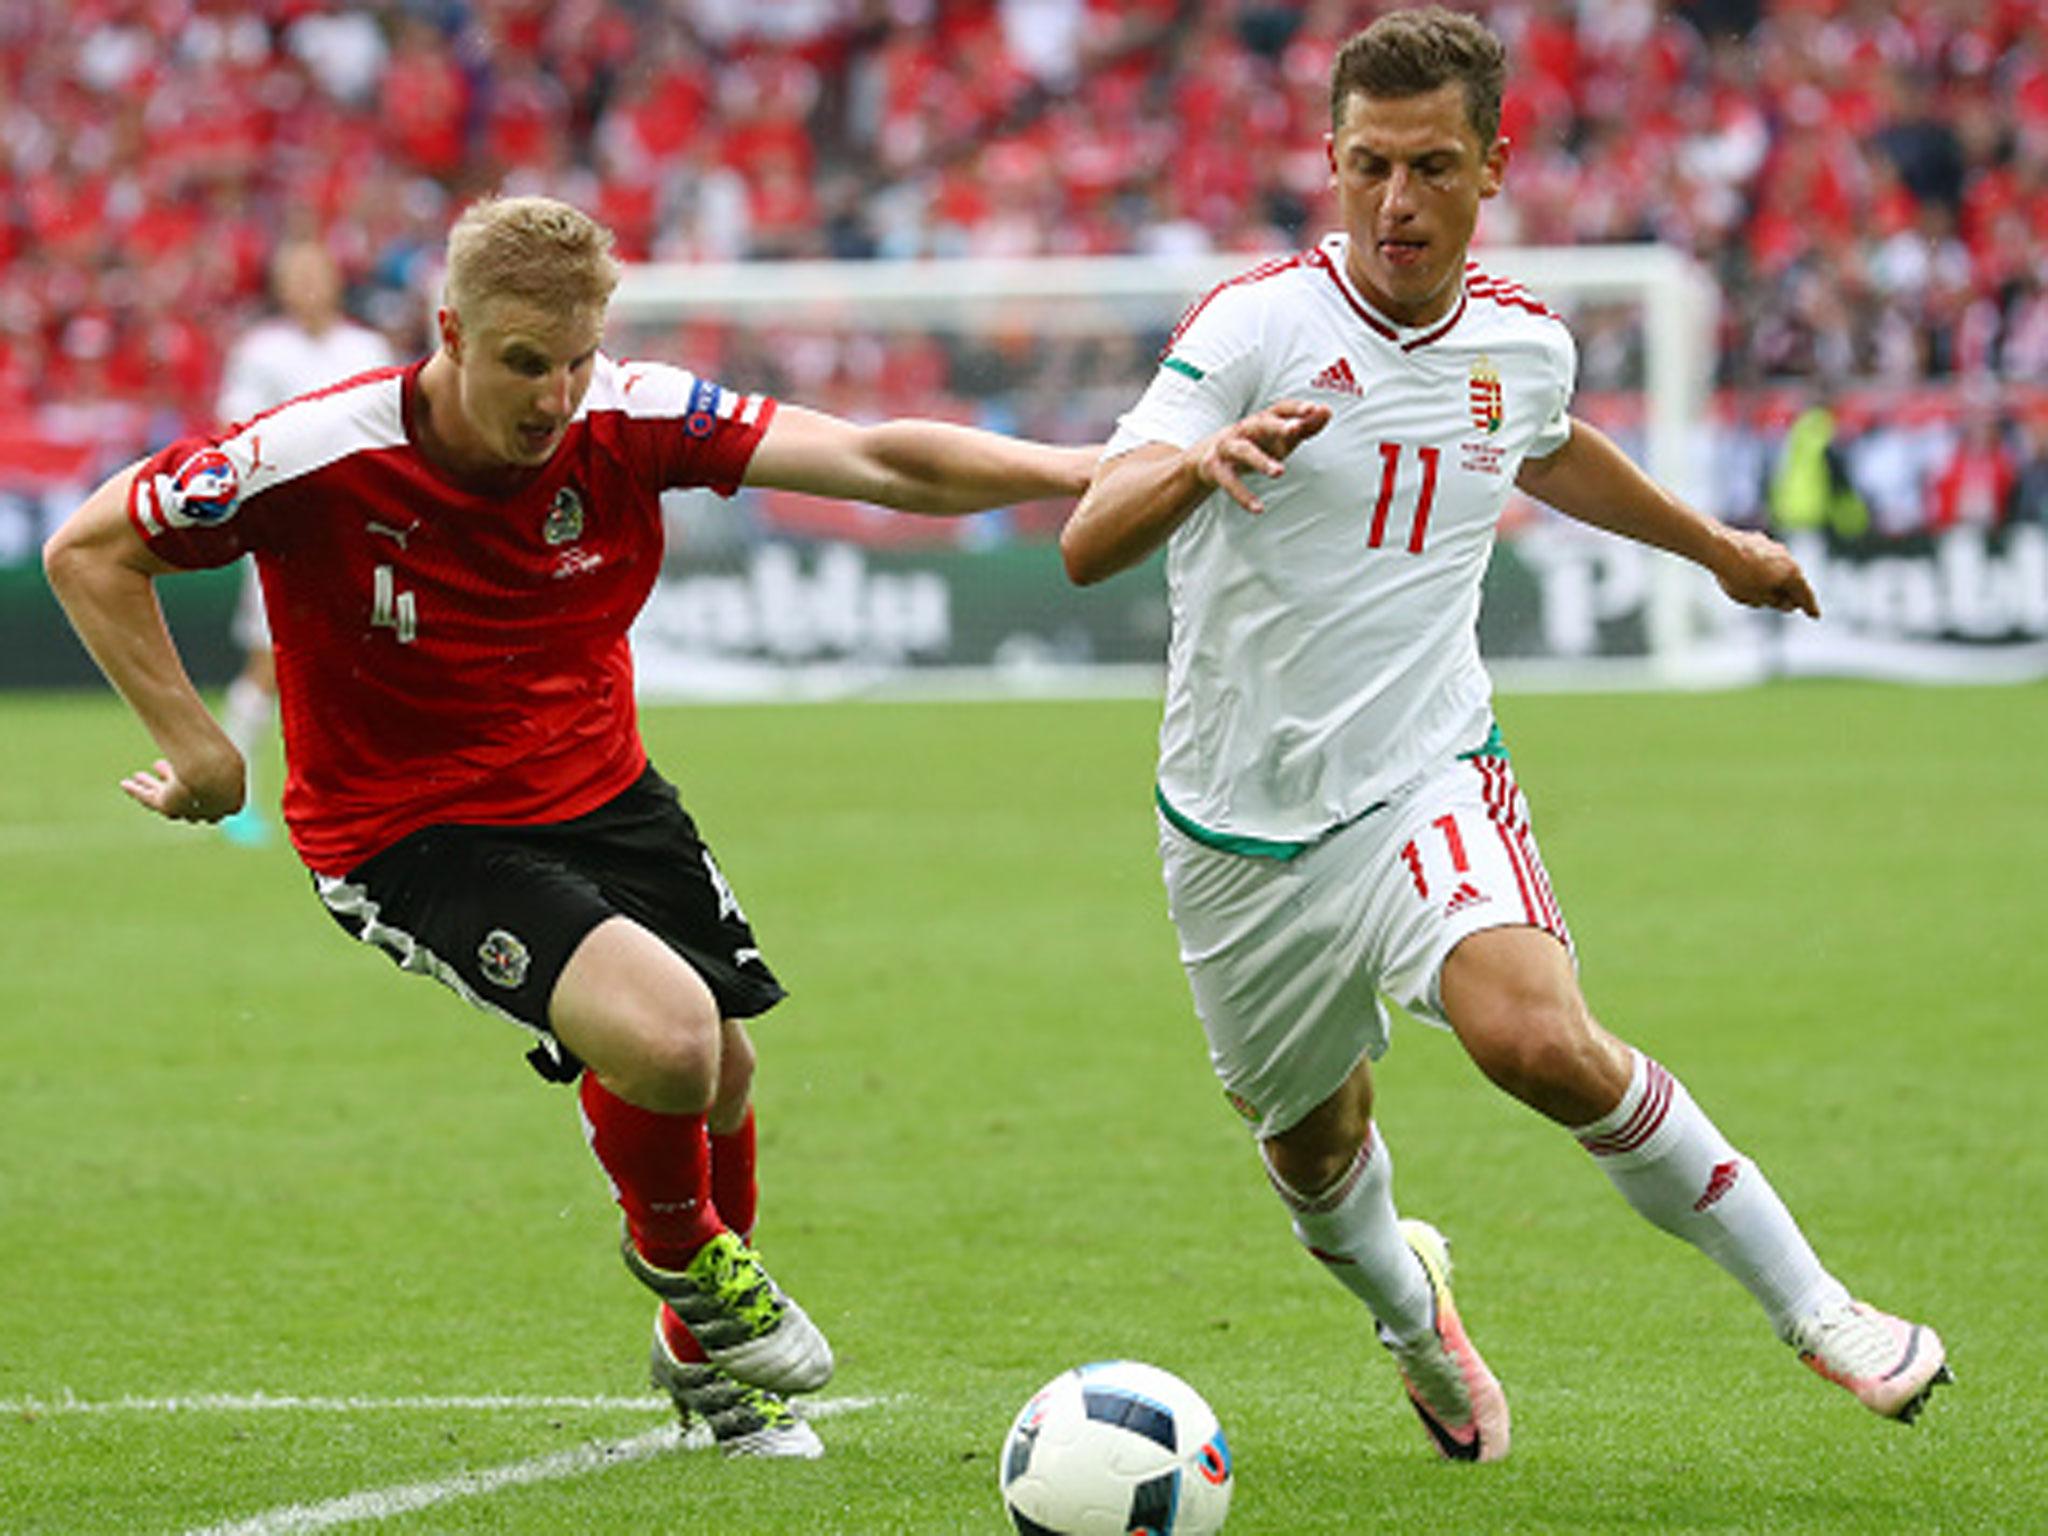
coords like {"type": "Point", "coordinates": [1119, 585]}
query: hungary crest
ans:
{"type": "Point", "coordinates": [1488, 403]}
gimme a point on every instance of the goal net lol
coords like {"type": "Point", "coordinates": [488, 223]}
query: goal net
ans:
{"type": "Point", "coordinates": [778, 595]}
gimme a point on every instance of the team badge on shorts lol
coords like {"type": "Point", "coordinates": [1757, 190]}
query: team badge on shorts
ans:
{"type": "Point", "coordinates": [1243, 1106]}
{"type": "Point", "coordinates": [503, 958]}
{"type": "Point", "coordinates": [564, 524]}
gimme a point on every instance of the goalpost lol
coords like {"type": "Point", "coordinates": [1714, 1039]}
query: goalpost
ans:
{"type": "Point", "coordinates": [1570, 610]}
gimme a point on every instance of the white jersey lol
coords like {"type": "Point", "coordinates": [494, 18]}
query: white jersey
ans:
{"type": "Point", "coordinates": [1325, 653]}
{"type": "Point", "coordinates": [278, 359]}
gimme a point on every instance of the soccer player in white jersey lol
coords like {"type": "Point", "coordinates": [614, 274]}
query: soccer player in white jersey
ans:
{"type": "Point", "coordinates": [310, 342]}
{"type": "Point", "coordinates": [452, 554]}
{"type": "Point", "coordinates": [1325, 453]}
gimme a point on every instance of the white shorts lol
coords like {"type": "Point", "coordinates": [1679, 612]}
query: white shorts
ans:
{"type": "Point", "coordinates": [1290, 960]}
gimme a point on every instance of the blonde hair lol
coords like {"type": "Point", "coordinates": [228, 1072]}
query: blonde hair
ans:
{"type": "Point", "coordinates": [535, 249]}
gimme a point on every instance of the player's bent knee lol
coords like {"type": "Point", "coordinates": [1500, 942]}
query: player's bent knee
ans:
{"type": "Point", "coordinates": [641, 1018]}
{"type": "Point", "coordinates": [1552, 1057]}
{"type": "Point", "coordinates": [671, 1071]}
{"type": "Point", "coordinates": [1319, 1149]}
{"type": "Point", "coordinates": [1311, 1157]}
{"type": "Point", "coordinates": [1308, 1173]}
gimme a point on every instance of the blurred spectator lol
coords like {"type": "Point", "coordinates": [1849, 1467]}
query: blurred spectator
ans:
{"type": "Point", "coordinates": [424, 101]}
{"type": "Point", "coordinates": [1810, 490]}
{"type": "Point", "coordinates": [1973, 489]}
{"type": "Point", "coordinates": [1920, 138]}
{"type": "Point", "coordinates": [344, 50]}
{"type": "Point", "coordinates": [2030, 491]}
{"type": "Point", "coordinates": [1721, 18]}
{"type": "Point", "coordinates": [1892, 458]}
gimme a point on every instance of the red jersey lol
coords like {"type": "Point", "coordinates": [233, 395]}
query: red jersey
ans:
{"type": "Point", "coordinates": [446, 654]}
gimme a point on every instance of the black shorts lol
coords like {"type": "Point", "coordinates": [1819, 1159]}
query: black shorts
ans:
{"type": "Point", "coordinates": [495, 912]}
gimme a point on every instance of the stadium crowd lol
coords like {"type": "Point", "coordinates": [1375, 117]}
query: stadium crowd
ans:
{"type": "Point", "coordinates": [1867, 178]}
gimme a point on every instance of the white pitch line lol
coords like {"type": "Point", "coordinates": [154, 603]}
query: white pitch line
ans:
{"type": "Point", "coordinates": [383, 1503]}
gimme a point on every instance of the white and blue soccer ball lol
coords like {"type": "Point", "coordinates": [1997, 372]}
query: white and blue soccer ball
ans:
{"type": "Point", "coordinates": [1118, 1448]}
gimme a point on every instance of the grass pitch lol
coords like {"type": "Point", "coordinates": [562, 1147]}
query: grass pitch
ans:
{"type": "Point", "coordinates": [291, 1242]}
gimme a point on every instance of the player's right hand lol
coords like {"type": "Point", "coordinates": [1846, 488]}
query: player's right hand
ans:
{"type": "Point", "coordinates": [1759, 572]}
{"type": "Point", "coordinates": [1258, 444]}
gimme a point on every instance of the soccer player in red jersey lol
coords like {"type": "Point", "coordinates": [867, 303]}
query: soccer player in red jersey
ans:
{"type": "Point", "coordinates": [451, 554]}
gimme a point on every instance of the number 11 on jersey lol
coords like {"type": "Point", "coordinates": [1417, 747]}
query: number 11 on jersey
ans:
{"type": "Point", "coordinates": [1390, 470]}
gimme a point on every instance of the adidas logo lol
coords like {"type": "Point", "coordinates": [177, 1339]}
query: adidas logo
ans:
{"type": "Point", "coordinates": [1338, 379]}
{"type": "Point", "coordinates": [1466, 895]}
{"type": "Point", "coordinates": [1719, 1182]}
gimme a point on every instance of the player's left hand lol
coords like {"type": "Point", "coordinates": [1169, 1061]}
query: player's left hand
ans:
{"type": "Point", "coordinates": [1759, 572]}
{"type": "Point", "coordinates": [164, 790]}
{"type": "Point", "coordinates": [1258, 445]}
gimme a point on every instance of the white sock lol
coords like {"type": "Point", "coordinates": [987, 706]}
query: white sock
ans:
{"type": "Point", "coordinates": [1670, 1162]}
{"type": "Point", "coordinates": [245, 716]}
{"type": "Point", "coordinates": [1352, 1231]}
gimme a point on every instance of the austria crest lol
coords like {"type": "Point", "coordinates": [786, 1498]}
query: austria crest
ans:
{"type": "Point", "coordinates": [564, 523]}
{"type": "Point", "coordinates": [503, 958]}
{"type": "Point", "coordinates": [1489, 407]}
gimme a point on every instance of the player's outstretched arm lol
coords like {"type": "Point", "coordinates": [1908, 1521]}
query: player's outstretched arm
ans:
{"type": "Point", "coordinates": [1591, 480]}
{"type": "Point", "coordinates": [105, 577]}
{"type": "Point", "coordinates": [930, 467]}
{"type": "Point", "coordinates": [1137, 499]}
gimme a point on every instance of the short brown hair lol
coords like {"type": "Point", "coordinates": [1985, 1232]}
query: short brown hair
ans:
{"type": "Point", "coordinates": [1411, 53]}
{"type": "Point", "coordinates": [535, 249]}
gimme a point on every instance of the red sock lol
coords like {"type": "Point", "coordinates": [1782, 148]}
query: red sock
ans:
{"type": "Point", "coordinates": [734, 1189]}
{"type": "Point", "coordinates": [681, 1342]}
{"type": "Point", "coordinates": [660, 1171]}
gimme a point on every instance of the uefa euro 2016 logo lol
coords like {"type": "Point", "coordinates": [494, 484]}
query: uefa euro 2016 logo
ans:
{"type": "Point", "coordinates": [204, 490]}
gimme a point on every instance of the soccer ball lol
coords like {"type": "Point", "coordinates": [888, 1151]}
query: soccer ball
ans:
{"type": "Point", "coordinates": [1116, 1449]}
